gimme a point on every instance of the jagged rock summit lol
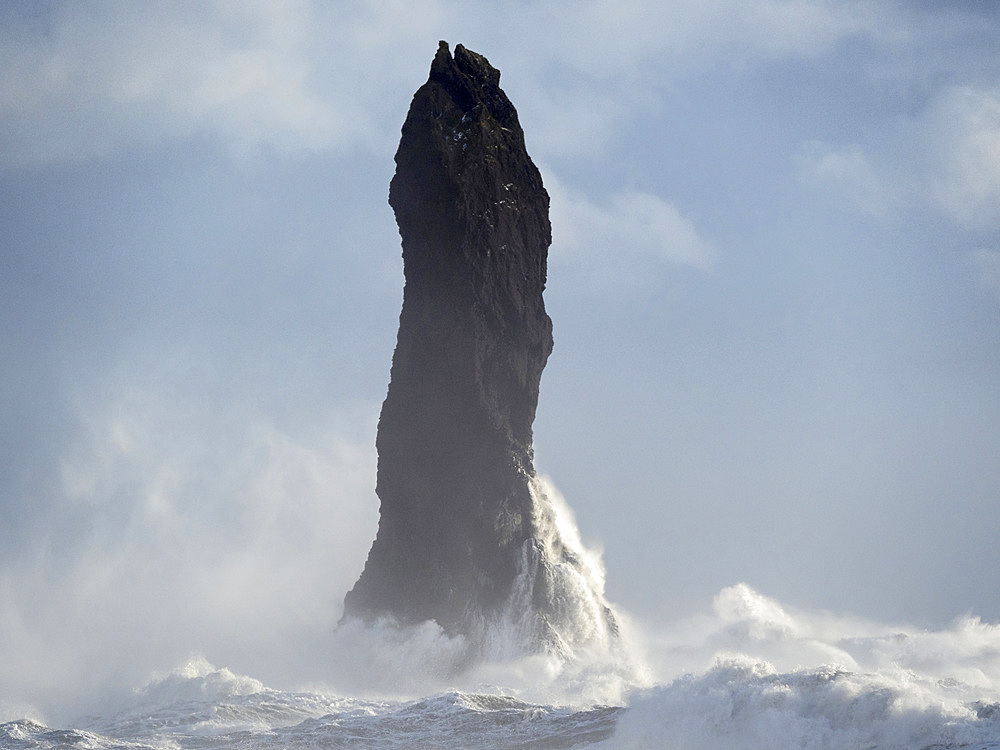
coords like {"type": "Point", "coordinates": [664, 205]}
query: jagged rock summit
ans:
{"type": "Point", "coordinates": [462, 538]}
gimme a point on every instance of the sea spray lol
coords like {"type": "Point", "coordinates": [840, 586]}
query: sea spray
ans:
{"type": "Point", "coordinates": [828, 683]}
{"type": "Point", "coordinates": [757, 674]}
{"type": "Point", "coordinates": [746, 704]}
{"type": "Point", "coordinates": [558, 595]}
{"type": "Point", "coordinates": [588, 654]}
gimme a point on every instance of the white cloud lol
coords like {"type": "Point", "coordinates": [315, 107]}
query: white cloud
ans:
{"type": "Point", "coordinates": [610, 39]}
{"type": "Point", "coordinates": [112, 75]}
{"type": "Point", "coordinates": [848, 171]}
{"type": "Point", "coordinates": [963, 131]}
{"type": "Point", "coordinates": [626, 240]}
{"type": "Point", "coordinates": [946, 158]}
{"type": "Point", "coordinates": [611, 60]}
{"type": "Point", "coordinates": [304, 76]}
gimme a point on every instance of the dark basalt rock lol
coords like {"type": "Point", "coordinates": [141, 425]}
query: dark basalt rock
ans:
{"type": "Point", "coordinates": [455, 433]}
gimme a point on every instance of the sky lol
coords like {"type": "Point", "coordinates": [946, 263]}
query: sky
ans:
{"type": "Point", "coordinates": [774, 283]}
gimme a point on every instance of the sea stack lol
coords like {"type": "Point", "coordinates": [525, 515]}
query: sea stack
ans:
{"type": "Point", "coordinates": [458, 539]}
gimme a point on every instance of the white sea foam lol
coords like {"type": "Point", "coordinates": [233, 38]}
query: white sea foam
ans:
{"type": "Point", "coordinates": [751, 674]}
{"type": "Point", "coordinates": [556, 638]}
{"type": "Point", "coordinates": [557, 602]}
{"type": "Point", "coordinates": [758, 675]}
{"type": "Point", "coordinates": [575, 614]}
{"type": "Point", "coordinates": [388, 661]}
{"type": "Point", "coordinates": [742, 703]}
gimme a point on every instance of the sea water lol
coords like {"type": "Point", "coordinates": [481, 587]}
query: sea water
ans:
{"type": "Point", "coordinates": [749, 673]}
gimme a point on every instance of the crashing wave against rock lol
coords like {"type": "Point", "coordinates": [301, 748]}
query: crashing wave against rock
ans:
{"type": "Point", "coordinates": [466, 535]}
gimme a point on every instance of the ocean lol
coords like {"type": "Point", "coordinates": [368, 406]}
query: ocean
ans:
{"type": "Point", "coordinates": [752, 673]}
{"type": "Point", "coordinates": [749, 673]}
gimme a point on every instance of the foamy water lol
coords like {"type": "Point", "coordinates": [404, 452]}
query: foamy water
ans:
{"type": "Point", "coordinates": [750, 674]}
{"type": "Point", "coordinates": [816, 681]}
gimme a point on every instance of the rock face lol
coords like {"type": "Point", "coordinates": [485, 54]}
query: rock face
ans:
{"type": "Point", "coordinates": [459, 521]}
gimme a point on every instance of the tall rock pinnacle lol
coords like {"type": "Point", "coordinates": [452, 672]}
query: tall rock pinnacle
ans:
{"type": "Point", "coordinates": [458, 525]}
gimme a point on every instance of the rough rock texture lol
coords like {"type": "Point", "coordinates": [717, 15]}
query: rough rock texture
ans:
{"type": "Point", "coordinates": [454, 438]}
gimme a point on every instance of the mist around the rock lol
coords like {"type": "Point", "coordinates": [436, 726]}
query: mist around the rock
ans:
{"type": "Point", "coordinates": [191, 637]}
{"type": "Point", "coordinates": [748, 672]}
{"type": "Point", "coordinates": [589, 663]}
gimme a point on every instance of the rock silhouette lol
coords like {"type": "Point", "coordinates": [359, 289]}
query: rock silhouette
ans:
{"type": "Point", "coordinates": [459, 539]}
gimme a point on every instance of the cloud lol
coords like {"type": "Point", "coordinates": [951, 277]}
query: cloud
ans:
{"type": "Point", "coordinates": [611, 62]}
{"type": "Point", "coordinates": [96, 78]}
{"type": "Point", "coordinates": [80, 80]}
{"type": "Point", "coordinates": [962, 128]}
{"type": "Point", "coordinates": [848, 171]}
{"type": "Point", "coordinates": [610, 39]}
{"type": "Point", "coordinates": [946, 158]}
{"type": "Point", "coordinates": [626, 240]}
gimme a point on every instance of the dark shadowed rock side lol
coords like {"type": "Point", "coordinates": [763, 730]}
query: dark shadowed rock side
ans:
{"type": "Point", "coordinates": [459, 539]}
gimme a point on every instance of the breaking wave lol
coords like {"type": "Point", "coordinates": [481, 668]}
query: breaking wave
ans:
{"type": "Point", "coordinates": [751, 674]}
{"type": "Point", "coordinates": [199, 706]}
{"type": "Point", "coordinates": [560, 577]}
{"type": "Point", "coordinates": [555, 633]}
{"type": "Point", "coordinates": [779, 678]}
